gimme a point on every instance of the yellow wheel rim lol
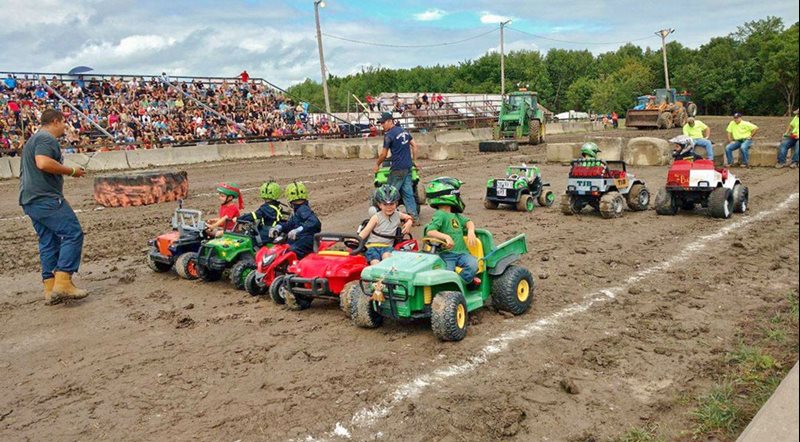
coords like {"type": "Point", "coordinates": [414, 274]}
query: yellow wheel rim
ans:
{"type": "Point", "coordinates": [461, 316]}
{"type": "Point", "coordinates": [523, 290]}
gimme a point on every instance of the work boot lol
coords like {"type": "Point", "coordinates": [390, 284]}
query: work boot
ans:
{"type": "Point", "coordinates": [48, 291]}
{"type": "Point", "coordinates": [793, 166]}
{"type": "Point", "coordinates": [64, 288]}
{"type": "Point", "coordinates": [780, 166]}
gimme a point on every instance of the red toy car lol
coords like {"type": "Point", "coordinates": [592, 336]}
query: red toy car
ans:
{"type": "Point", "coordinates": [328, 272]}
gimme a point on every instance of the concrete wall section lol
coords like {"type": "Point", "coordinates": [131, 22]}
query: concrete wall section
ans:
{"type": "Point", "coordinates": [15, 166]}
{"type": "Point", "coordinates": [762, 154]}
{"type": "Point", "coordinates": [5, 168]}
{"type": "Point", "coordinates": [441, 151]}
{"type": "Point", "coordinates": [140, 159]}
{"type": "Point", "coordinates": [459, 136]}
{"type": "Point", "coordinates": [115, 160]}
{"type": "Point", "coordinates": [648, 151]}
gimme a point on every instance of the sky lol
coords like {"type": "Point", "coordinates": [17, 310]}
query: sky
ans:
{"type": "Point", "coordinates": [276, 40]}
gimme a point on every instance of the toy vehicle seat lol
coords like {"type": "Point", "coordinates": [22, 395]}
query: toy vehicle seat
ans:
{"type": "Point", "coordinates": [703, 165]}
{"type": "Point", "coordinates": [477, 252]}
{"type": "Point", "coordinates": [586, 171]}
{"type": "Point", "coordinates": [617, 174]}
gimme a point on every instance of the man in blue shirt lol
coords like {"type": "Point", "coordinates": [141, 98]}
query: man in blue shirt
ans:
{"type": "Point", "coordinates": [404, 156]}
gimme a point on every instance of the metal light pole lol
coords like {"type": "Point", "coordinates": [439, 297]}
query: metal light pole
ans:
{"type": "Point", "coordinates": [663, 34]}
{"type": "Point", "coordinates": [321, 4]}
{"type": "Point", "coordinates": [503, 59]}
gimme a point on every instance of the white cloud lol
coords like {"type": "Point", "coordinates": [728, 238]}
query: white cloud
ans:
{"type": "Point", "coordinates": [489, 18]}
{"type": "Point", "coordinates": [430, 15]}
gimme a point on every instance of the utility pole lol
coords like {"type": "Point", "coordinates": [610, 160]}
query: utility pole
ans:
{"type": "Point", "coordinates": [321, 4]}
{"type": "Point", "coordinates": [663, 34]}
{"type": "Point", "coordinates": [502, 59]}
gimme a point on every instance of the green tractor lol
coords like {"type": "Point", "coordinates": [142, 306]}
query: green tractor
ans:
{"type": "Point", "coordinates": [412, 285]}
{"type": "Point", "coordinates": [521, 117]}
{"type": "Point", "coordinates": [234, 250]}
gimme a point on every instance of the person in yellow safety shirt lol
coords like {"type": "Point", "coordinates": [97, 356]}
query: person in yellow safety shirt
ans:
{"type": "Point", "coordinates": [740, 136]}
{"type": "Point", "coordinates": [699, 133]}
{"type": "Point", "coordinates": [789, 142]}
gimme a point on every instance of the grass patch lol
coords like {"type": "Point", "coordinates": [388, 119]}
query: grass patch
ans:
{"type": "Point", "coordinates": [641, 434]}
{"type": "Point", "coordinates": [717, 412]}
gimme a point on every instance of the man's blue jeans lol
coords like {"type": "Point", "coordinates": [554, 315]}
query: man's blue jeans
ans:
{"type": "Point", "coordinates": [706, 144]}
{"type": "Point", "coordinates": [60, 235]}
{"type": "Point", "coordinates": [467, 262]}
{"type": "Point", "coordinates": [404, 185]}
{"type": "Point", "coordinates": [788, 143]}
{"type": "Point", "coordinates": [736, 145]}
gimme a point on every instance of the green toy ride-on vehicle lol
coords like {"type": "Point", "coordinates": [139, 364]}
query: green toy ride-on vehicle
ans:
{"type": "Point", "coordinates": [519, 189]}
{"type": "Point", "coordinates": [412, 285]}
{"type": "Point", "coordinates": [234, 250]}
{"type": "Point", "coordinates": [382, 177]}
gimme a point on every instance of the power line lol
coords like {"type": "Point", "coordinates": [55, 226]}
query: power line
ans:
{"type": "Point", "coordinates": [580, 42]}
{"type": "Point", "coordinates": [386, 45]}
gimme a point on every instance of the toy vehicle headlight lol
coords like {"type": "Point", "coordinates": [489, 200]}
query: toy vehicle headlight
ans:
{"type": "Point", "coordinates": [520, 184]}
{"type": "Point", "coordinates": [266, 259]}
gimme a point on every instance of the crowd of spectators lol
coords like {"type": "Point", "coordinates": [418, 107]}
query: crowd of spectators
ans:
{"type": "Point", "coordinates": [399, 104]}
{"type": "Point", "coordinates": [141, 113]}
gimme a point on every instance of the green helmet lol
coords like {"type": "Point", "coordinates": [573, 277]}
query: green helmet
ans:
{"type": "Point", "coordinates": [445, 191]}
{"type": "Point", "coordinates": [229, 189]}
{"type": "Point", "coordinates": [270, 191]}
{"type": "Point", "coordinates": [386, 194]}
{"type": "Point", "coordinates": [590, 149]}
{"type": "Point", "coordinates": [296, 191]}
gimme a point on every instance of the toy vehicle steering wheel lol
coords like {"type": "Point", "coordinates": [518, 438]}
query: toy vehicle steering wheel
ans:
{"type": "Point", "coordinates": [351, 243]}
{"type": "Point", "coordinates": [433, 245]}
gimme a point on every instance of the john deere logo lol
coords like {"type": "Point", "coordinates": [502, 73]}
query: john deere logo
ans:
{"type": "Point", "coordinates": [454, 223]}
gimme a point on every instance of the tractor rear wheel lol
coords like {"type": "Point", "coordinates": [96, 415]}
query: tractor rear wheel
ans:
{"type": "Point", "coordinates": [691, 109]}
{"type": "Point", "coordinates": [664, 120]}
{"type": "Point", "coordinates": [740, 198]}
{"type": "Point", "coordinates": [158, 267]}
{"type": "Point", "coordinates": [449, 316]}
{"type": "Point", "coordinates": [547, 198]}
{"type": "Point", "coordinates": [525, 203]}
{"type": "Point", "coordinates": [362, 310]}
{"type": "Point", "coordinates": [239, 272]}
{"type": "Point", "coordinates": [345, 295]}
{"type": "Point", "coordinates": [638, 198]}
{"type": "Point", "coordinates": [666, 203]}
{"type": "Point", "coordinates": [491, 205]}
{"type": "Point", "coordinates": [720, 203]}
{"type": "Point", "coordinates": [513, 290]}
{"type": "Point", "coordinates": [612, 205]}
{"type": "Point", "coordinates": [186, 266]}
{"type": "Point", "coordinates": [275, 291]}
{"type": "Point", "coordinates": [252, 287]}
{"type": "Point", "coordinates": [294, 301]}
{"type": "Point", "coordinates": [535, 136]}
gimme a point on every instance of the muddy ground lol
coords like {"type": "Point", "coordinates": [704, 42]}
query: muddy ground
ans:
{"type": "Point", "coordinates": [151, 356]}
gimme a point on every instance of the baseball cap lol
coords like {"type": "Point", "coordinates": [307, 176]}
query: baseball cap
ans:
{"type": "Point", "coordinates": [385, 116]}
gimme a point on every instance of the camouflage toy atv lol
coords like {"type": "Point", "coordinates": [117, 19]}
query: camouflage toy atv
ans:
{"type": "Point", "coordinates": [519, 189]}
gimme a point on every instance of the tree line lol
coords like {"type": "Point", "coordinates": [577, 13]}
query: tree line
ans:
{"type": "Point", "coordinates": [752, 70]}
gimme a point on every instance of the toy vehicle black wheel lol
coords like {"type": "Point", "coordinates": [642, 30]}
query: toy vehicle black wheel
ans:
{"type": "Point", "coordinates": [449, 316]}
{"type": "Point", "coordinates": [612, 205]}
{"type": "Point", "coordinates": [525, 203]}
{"type": "Point", "coordinates": [740, 198]}
{"type": "Point", "coordinates": [638, 198]}
{"type": "Point", "coordinates": [186, 266]}
{"type": "Point", "coordinates": [720, 203]}
{"type": "Point", "coordinates": [344, 297]}
{"type": "Point", "coordinates": [275, 291]}
{"type": "Point", "coordinates": [419, 196]}
{"type": "Point", "coordinates": [513, 290]}
{"type": "Point", "coordinates": [547, 198]}
{"type": "Point", "coordinates": [571, 205]}
{"type": "Point", "coordinates": [252, 286]}
{"type": "Point", "coordinates": [207, 274]}
{"type": "Point", "coordinates": [491, 205]}
{"type": "Point", "coordinates": [158, 267]}
{"type": "Point", "coordinates": [294, 301]}
{"type": "Point", "coordinates": [362, 309]}
{"type": "Point", "coordinates": [240, 270]}
{"type": "Point", "coordinates": [665, 202]}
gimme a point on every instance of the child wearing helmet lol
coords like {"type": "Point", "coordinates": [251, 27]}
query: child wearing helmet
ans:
{"type": "Point", "coordinates": [302, 225]}
{"type": "Point", "coordinates": [381, 229]}
{"type": "Point", "coordinates": [268, 214]}
{"type": "Point", "coordinates": [449, 225]}
{"type": "Point", "coordinates": [684, 148]}
{"type": "Point", "coordinates": [228, 209]}
{"type": "Point", "coordinates": [589, 153]}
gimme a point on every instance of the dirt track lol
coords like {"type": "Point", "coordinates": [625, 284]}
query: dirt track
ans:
{"type": "Point", "coordinates": [150, 356]}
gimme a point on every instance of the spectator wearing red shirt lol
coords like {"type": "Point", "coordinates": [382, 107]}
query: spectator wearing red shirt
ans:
{"type": "Point", "coordinates": [244, 76]}
{"type": "Point", "coordinates": [370, 102]}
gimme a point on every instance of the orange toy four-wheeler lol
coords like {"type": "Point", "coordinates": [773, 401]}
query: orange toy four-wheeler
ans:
{"type": "Point", "coordinates": [178, 248]}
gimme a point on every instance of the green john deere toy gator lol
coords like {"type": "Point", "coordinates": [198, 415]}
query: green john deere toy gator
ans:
{"type": "Point", "coordinates": [234, 250]}
{"type": "Point", "coordinates": [411, 285]}
{"type": "Point", "coordinates": [382, 177]}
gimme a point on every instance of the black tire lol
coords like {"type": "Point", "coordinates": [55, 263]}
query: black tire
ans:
{"type": "Point", "coordinates": [344, 297]}
{"type": "Point", "coordinates": [491, 205]}
{"type": "Point", "coordinates": [513, 290]}
{"type": "Point", "coordinates": [362, 310]}
{"type": "Point", "coordinates": [239, 272]}
{"type": "Point", "coordinates": [449, 316]}
{"type": "Point", "coordinates": [638, 198]}
{"type": "Point", "coordinates": [419, 197]}
{"type": "Point", "coordinates": [525, 203]}
{"type": "Point", "coordinates": [687, 205]}
{"type": "Point", "coordinates": [720, 203]}
{"type": "Point", "coordinates": [664, 120]}
{"type": "Point", "coordinates": [547, 198]}
{"type": "Point", "coordinates": [535, 137]}
{"type": "Point", "coordinates": [207, 274]}
{"type": "Point", "coordinates": [612, 205]}
{"type": "Point", "coordinates": [158, 267]}
{"type": "Point", "coordinates": [498, 146]}
{"type": "Point", "coordinates": [665, 202]}
{"type": "Point", "coordinates": [252, 286]}
{"type": "Point", "coordinates": [741, 198]}
{"type": "Point", "coordinates": [570, 205]}
{"type": "Point", "coordinates": [294, 301]}
{"type": "Point", "coordinates": [274, 291]}
{"type": "Point", "coordinates": [680, 118]}
{"type": "Point", "coordinates": [186, 266]}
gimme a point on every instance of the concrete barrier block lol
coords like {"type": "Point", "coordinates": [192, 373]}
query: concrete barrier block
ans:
{"type": "Point", "coordinates": [481, 134]}
{"type": "Point", "coordinates": [440, 151]}
{"type": "Point", "coordinates": [423, 151]}
{"type": "Point", "coordinates": [294, 149]}
{"type": "Point", "coordinates": [420, 138]}
{"type": "Point", "coordinates": [562, 152]}
{"type": "Point", "coordinates": [719, 154]}
{"type": "Point", "coordinates": [610, 147]}
{"type": "Point", "coordinates": [339, 151]}
{"type": "Point", "coordinates": [368, 151]}
{"type": "Point", "coordinates": [76, 160]}
{"type": "Point", "coordinates": [111, 160]}
{"type": "Point", "coordinates": [312, 150]}
{"type": "Point", "coordinates": [456, 136]}
{"type": "Point", "coordinates": [15, 163]}
{"type": "Point", "coordinates": [5, 168]}
{"type": "Point", "coordinates": [554, 129]}
{"type": "Point", "coordinates": [763, 155]}
{"type": "Point", "coordinates": [647, 151]}
{"type": "Point", "coordinates": [140, 158]}
{"type": "Point", "coordinates": [244, 151]}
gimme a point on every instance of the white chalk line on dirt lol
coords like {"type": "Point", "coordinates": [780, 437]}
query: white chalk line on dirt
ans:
{"type": "Point", "coordinates": [367, 417]}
